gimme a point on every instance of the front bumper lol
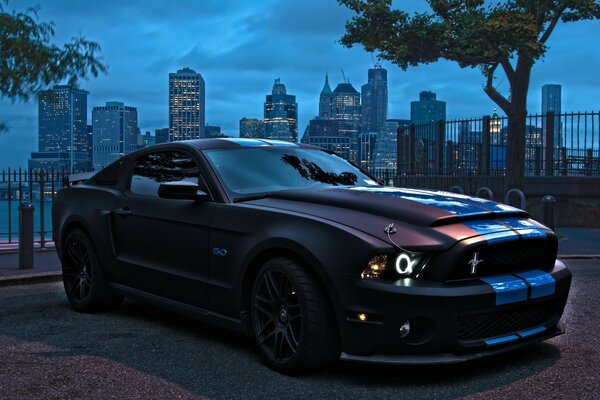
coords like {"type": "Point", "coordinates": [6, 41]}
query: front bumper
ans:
{"type": "Point", "coordinates": [450, 322]}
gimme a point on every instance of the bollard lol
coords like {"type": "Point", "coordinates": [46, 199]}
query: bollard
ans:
{"type": "Point", "coordinates": [519, 194]}
{"type": "Point", "coordinates": [548, 210]}
{"type": "Point", "coordinates": [485, 190]}
{"type": "Point", "coordinates": [25, 236]}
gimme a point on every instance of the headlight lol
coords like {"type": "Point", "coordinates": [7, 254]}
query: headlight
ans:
{"type": "Point", "coordinates": [376, 267]}
{"type": "Point", "coordinates": [407, 263]}
{"type": "Point", "coordinates": [400, 265]}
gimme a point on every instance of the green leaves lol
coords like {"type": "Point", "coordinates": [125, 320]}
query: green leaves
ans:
{"type": "Point", "coordinates": [29, 62]}
{"type": "Point", "coordinates": [472, 33]}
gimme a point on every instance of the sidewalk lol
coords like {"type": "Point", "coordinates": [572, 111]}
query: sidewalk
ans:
{"type": "Point", "coordinates": [573, 243]}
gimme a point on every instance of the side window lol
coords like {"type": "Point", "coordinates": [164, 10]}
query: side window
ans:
{"type": "Point", "coordinates": [164, 166]}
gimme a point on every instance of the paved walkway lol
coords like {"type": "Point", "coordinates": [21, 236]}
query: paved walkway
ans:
{"type": "Point", "coordinates": [573, 243]}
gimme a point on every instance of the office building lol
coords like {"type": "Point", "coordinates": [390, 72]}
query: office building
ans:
{"type": "Point", "coordinates": [374, 100]}
{"type": "Point", "coordinates": [63, 138]}
{"type": "Point", "coordinates": [252, 128]}
{"type": "Point", "coordinates": [384, 157]}
{"type": "Point", "coordinates": [161, 135]}
{"type": "Point", "coordinates": [186, 105]}
{"type": "Point", "coordinates": [212, 131]}
{"type": "Point", "coordinates": [116, 132]}
{"type": "Point", "coordinates": [427, 109]}
{"type": "Point", "coordinates": [148, 139]}
{"type": "Point", "coordinates": [551, 102]}
{"type": "Point", "coordinates": [325, 100]}
{"type": "Point", "coordinates": [281, 114]}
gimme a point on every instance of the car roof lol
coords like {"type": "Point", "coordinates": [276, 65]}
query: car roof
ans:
{"type": "Point", "coordinates": [220, 143]}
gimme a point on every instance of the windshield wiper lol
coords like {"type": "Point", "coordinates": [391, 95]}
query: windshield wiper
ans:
{"type": "Point", "coordinates": [254, 197]}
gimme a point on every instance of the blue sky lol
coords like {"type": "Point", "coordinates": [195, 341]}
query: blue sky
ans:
{"type": "Point", "coordinates": [240, 47]}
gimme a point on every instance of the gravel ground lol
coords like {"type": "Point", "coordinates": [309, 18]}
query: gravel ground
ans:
{"type": "Point", "coordinates": [48, 351]}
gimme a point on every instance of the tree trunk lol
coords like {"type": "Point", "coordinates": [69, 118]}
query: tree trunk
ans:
{"type": "Point", "coordinates": [517, 118]}
{"type": "Point", "coordinates": [515, 150]}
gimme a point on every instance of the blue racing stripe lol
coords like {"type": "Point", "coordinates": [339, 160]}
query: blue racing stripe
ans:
{"type": "Point", "coordinates": [500, 340]}
{"type": "Point", "coordinates": [542, 283]}
{"type": "Point", "coordinates": [508, 288]}
{"type": "Point", "coordinates": [525, 228]}
{"type": "Point", "coordinates": [492, 231]}
{"type": "Point", "coordinates": [532, 331]}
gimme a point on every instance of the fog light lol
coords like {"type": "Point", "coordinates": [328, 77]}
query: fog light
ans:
{"type": "Point", "coordinates": [405, 329]}
{"type": "Point", "coordinates": [362, 317]}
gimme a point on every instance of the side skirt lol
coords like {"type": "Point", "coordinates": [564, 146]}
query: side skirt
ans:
{"type": "Point", "coordinates": [178, 307]}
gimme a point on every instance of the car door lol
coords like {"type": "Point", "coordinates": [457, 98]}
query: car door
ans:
{"type": "Point", "coordinates": [161, 244]}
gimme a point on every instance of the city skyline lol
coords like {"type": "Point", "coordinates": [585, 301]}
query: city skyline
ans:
{"type": "Point", "coordinates": [231, 45]}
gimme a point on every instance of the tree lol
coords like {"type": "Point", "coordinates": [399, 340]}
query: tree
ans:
{"type": "Point", "coordinates": [508, 35]}
{"type": "Point", "coordinates": [29, 62]}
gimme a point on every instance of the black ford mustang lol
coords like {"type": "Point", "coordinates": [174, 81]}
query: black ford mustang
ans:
{"type": "Point", "coordinates": [309, 255]}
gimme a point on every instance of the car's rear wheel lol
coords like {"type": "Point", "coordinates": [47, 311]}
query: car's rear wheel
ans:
{"type": "Point", "coordinates": [292, 321]}
{"type": "Point", "coordinates": [83, 278]}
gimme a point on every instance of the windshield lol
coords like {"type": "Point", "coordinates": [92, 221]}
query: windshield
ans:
{"type": "Point", "coordinates": [262, 170]}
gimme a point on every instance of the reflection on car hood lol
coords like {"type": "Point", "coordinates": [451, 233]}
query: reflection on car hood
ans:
{"type": "Point", "coordinates": [423, 218]}
{"type": "Point", "coordinates": [414, 206]}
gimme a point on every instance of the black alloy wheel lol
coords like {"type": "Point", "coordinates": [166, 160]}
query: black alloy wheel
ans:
{"type": "Point", "coordinates": [83, 278]}
{"type": "Point", "coordinates": [77, 272]}
{"type": "Point", "coordinates": [292, 322]}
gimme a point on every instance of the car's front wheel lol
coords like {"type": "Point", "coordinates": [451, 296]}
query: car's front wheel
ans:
{"type": "Point", "coordinates": [83, 278]}
{"type": "Point", "coordinates": [292, 321]}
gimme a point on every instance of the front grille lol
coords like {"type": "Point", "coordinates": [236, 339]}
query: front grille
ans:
{"type": "Point", "coordinates": [497, 323]}
{"type": "Point", "coordinates": [506, 258]}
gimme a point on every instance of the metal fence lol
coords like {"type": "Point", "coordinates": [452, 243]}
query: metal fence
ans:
{"type": "Point", "coordinates": [555, 145]}
{"type": "Point", "coordinates": [38, 187]}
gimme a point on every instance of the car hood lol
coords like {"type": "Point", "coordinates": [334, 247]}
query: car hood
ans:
{"type": "Point", "coordinates": [421, 218]}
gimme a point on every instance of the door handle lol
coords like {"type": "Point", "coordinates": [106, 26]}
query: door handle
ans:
{"type": "Point", "coordinates": [125, 212]}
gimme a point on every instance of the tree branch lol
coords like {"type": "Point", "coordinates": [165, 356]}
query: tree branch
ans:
{"type": "Point", "coordinates": [492, 93]}
{"type": "Point", "coordinates": [552, 25]}
{"type": "Point", "coordinates": [508, 69]}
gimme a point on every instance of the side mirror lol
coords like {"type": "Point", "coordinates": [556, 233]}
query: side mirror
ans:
{"type": "Point", "coordinates": [181, 190]}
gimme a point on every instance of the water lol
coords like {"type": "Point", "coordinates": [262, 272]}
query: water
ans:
{"type": "Point", "coordinates": [14, 222]}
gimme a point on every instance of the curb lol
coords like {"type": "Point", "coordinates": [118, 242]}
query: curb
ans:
{"type": "Point", "coordinates": [30, 278]}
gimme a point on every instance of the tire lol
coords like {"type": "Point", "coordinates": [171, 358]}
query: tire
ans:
{"type": "Point", "coordinates": [83, 278]}
{"type": "Point", "coordinates": [292, 321]}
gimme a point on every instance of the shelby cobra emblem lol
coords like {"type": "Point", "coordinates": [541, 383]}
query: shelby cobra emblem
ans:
{"type": "Point", "coordinates": [474, 262]}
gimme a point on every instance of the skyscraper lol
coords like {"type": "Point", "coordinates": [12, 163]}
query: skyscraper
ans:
{"type": "Point", "coordinates": [385, 151]}
{"type": "Point", "coordinates": [281, 114]}
{"type": "Point", "coordinates": [345, 101]}
{"type": "Point", "coordinates": [63, 136]}
{"type": "Point", "coordinates": [374, 100]}
{"type": "Point", "coordinates": [325, 100]}
{"type": "Point", "coordinates": [186, 105]}
{"type": "Point", "coordinates": [427, 109]}
{"type": "Point", "coordinates": [116, 131]}
{"type": "Point", "coordinates": [551, 101]}
{"type": "Point", "coordinates": [252, 128]}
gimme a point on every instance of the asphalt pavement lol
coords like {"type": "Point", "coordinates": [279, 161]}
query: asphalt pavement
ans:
{"type": "Point", "coordinates": [48, 351]}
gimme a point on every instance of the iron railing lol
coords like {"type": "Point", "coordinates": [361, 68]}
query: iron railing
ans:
{"type": "Point", "coordinates": [38, 187]}
{"type": "Point", "coordinates": [555, 145]}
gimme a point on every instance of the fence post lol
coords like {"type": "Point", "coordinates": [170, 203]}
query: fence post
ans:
{"type": "Point", "coordinates": [412, 136]}
{"type": "Point", "coordinates": [589, 161]}
{"type": "Point", "coordinates": [25, 236]}
{"type": "Point", "coordinates": [549, 167]}
{"type": "Point", "coordinates": [42, 182]}
{"type": "Point", "coordinates": [565, 163]}
{"type": "Point", "coordinates": [485, 146]}
{"type": "Point", "coordinates": [440, 140]}
{"type": "Point", "coordinates": [9, 207]}
{"type": "Point", "coordinates": [548, 210]}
